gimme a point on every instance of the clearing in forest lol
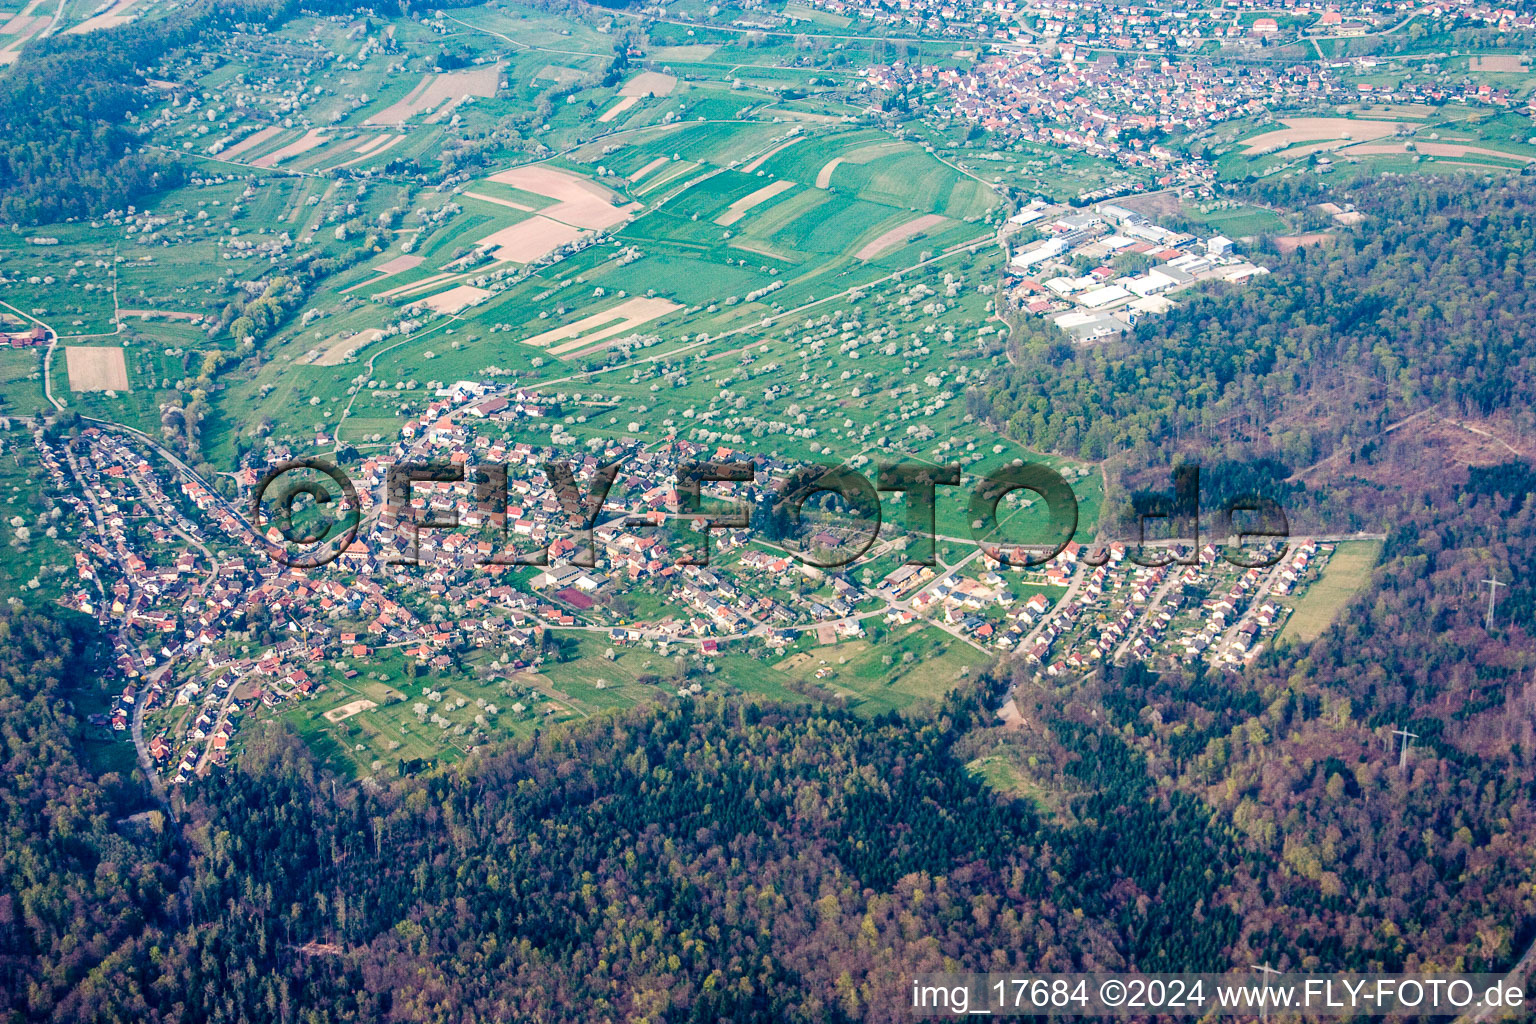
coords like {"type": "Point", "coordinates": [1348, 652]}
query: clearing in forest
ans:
{"type": "Point", "coordinates": [1346, 572]}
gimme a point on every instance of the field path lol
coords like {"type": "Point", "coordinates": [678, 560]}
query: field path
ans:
{"type": "Point", "coordinates": [53, 344]}
{"type": "Point", "coordinates": [518, 42]}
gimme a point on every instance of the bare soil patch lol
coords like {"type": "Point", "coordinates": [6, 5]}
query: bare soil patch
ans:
{"type": "Point", "coordinates": [755, 164]}
{"type": "Point", "coordinates": [161, 314]}
{"type": "Point", "coordinates": [312, 139]}
{"type": "Point", "coordinates": [683, 54]}
{"type": "Point", "coordinates": [824, 176]}
{"type": "Point", "coordinates": [660, 161]}
{"type": "Point", "coordinates": [111, 18]}
{"type": "Point", "coordinates": [1510, 63]}
{"type": "Point", "coordinates": [509, 204]}
{"type": "Point", "coordinates": [621, 319]}
{"type": "Point", "coordinates": [1342, 130]}
{"type": "Point", "coordinates": [578, 201]}
{"type": "Point", "coordinates": [336, 349]}
{"type": "Point", "coordinates": [390, 142]}
{"type": "Point", "coordinates": [739, 208]}
{"type": "Point", "coordinates": [94, 368]}
{"type": "Point", "coordinates": [455, 299]}
{"type": "Point", "coordinates": [649, 83]}
{"type": "Point", "coordinates": [529, 240]}
{"type": "Point", "coordinates": [437, 90]}
{"type": "Point", "coordinates": [348, 710]}
{"type": "Point", "coordinates": [1290, 243]}
{"type": "Point", "coordinates": [251, 141]}
{"type": "Point", "coordinates": [618, 108]}
{"type": "Point", "coordinates": [557, 74]}
{"type": "Point", "coordinates": [897, 235]}
{"type": "Point", "coordinates": [416, 286]}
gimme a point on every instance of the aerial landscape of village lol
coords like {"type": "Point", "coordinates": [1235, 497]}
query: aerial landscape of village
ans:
{"type": "Point", "coordinates": [712, 511]}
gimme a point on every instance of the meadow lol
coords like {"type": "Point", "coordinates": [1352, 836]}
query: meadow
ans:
{"type": "Point", "coordinates": [1345, 574]}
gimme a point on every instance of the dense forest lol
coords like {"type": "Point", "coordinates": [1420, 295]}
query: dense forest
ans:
{"type": "Point", "coordinates": [702, 861]}
{"type": "Point", "coordinates": [1426, 302]}
{"type": "Point", "coordinates": [718, 859]}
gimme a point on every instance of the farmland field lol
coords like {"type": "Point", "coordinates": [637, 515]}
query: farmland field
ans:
{"type": "Point", "coordinates": [96, 368]}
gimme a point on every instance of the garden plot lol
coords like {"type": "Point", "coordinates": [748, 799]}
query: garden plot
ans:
{"type": "Point", "coordinates": [96, 369]}
{"type": "Point", "coordinates": [440, 93]}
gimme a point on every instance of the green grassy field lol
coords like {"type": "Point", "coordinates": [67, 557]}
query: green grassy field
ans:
{"type": "Point", "coordinates": [374, 740]}
{"type": "Point", "coordinates": [1345, 574]}
{"type": "Point", "coordinates": [921, 663]}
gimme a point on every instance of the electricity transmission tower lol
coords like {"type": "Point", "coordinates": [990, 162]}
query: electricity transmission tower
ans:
{"type": "Point", "coordinates": [1265, 969]}
{"type": "Point", "coordinates": [1408, 737]}
{"type": "Point", "coordinates": [1493, 590]}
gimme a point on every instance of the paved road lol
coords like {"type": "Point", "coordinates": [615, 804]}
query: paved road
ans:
{"type": "Point", "coordinates": [146, 762]}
